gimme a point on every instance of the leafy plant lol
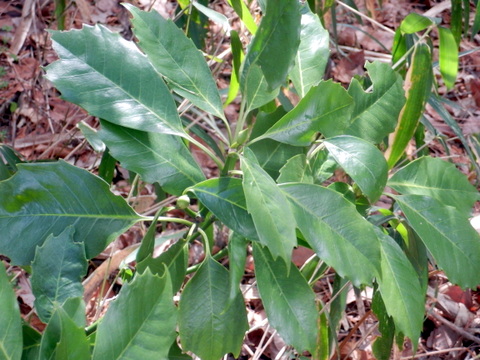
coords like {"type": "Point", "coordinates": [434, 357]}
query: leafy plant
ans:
{"type": "Point", "coordinates": [276, 190]}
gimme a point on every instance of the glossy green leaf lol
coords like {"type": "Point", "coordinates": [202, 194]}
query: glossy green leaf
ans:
{"type": "Point", "coordinates": [375, 114]}
{"type": "Point", "coordinates": [438, 179]}
{"type": "Point", "coordinates": [418, 83]}
{"type": "Point", "coordinates": [11, 339]}
{"type": "Point", "coordinates": [111, 79]}
{"type": "Point", "coordinates": [476, 21]}
{"type": "Point", "coordinates": [210, 324]}
{"type": "Point", "coordinates": [448, 56]}
{"type": "Point", "coordinates": [237, 257]}
{"type": "Point", "coordinates": [272, 155]}
{"type": "Point", "coordinates": [254, 87]}
{"type": "Point", "coordinates": [244, 14]}
{"type": "Point", "coordinates": [326, 108]}
{"type": "Point", "coordinates": [146, 328]}
{"type": "Point", "coordinates": [335, 235]}
{"type": "Point", "coordinates": [269, 208]}
{"type": "Point", "coordinates": [9, 158]}
{"type": "Point", "coordinates": [57, 271]}
{"type": "Point", "coordinates": [177, 58]}
{"type": "Point", "coordinates": [63, 339]}
{"type": "Point", "coordinates": [237, 58]}
{"type": "Point", "coordinates": [288, 300]}
{"type": "Point", "coordinates": [148, 242]}
{"type": "Point", "coordinates": [155, 157]}
{"type": "Point", "coordinates": [447, 234]}
{"type": "Point", "coordinates": [31, 342]}
{"type": "Point", "coordinates": [275, 43]}
{"type": "Point", "coordinates": [175, 260]}
{"type": "Point", "coordinates": [414, 23]}
{"type": "Point", "coordinates": [296, 169]}
{"type": "Point", "coordinates": [176, 353]}
{"type": "Point", "coordinates": [337, 306]}
{"type": "Point", "coordinates": [225, 198]}
{"type": "Point", "coordinates": [313, 52]}
{"type": "Point", "coordinates": [213, 15]}
{"type": "Point", "coordinates": [401, 291]}
{"type": "Point", "coordinates": [44, 198]}
{"type": "Point", "coordinates": [361, 160]}
{"type": "Point", "coordinates": [91, 135]}
{"type": "Point", "coordinates": [382, 347]}
{"type": "Point", "coordinates": [74, 307]}
{"type": "Point", "coordinates": [323, 166]}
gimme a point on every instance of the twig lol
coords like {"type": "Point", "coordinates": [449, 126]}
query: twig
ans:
{"type": "Point", "coordinates": [365, 17]}
{"type": "Point", "coordinates": [438, 352]}
{"type": "Point", "coordinates": [455, 328]}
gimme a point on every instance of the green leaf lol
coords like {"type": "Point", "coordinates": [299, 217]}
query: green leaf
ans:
{"type": "Point", "coordinates": [237, 58]}
{"type": "Point", "coordinates": [414, 23]}
{"type": "Point", "coordinates": [313, 52]}
{"type": "Point", "coordinates": [375, 114]}
{"type": "Point", "coordinates": [155, 157]}
{"type": "Point", "coordinates": [335, 235]}
{"type": "Point", "coordinates": [476, 22]}
{"type": "Point", "coordinates": [275, 43]}
{"type": "Point", "coordinates": [323, 166]}
{"type": "Point", "coordinates": [225, 198]}
{"type": "Point", "coordinates": [448, 56]}
{"type": "Point", "coordinates": [237, 256]}
{"type": "Point", "coordinates": [175, 260]}
{"type": "Point", "coordinates": [448, 236]}
{"type": "Point", "coordinates": [296, 169]}
{"type": "Point", "coordinates": [91, 135]}
{"type": "Point", "coordinates": [9, 158]}
{"type": "Point", "coordinates": [401, 291]}
{"type": "Point", "coordinates": [177, 58]}
{"type": "Point", "coordinates": [382, 347]}
{"type": "Point", "coordinates": [288, 300]}
{"type": "Point", "coordinates": [418, 83]}
{"type": "Point", "coordinates": [111, 79]}
{"type": "Point", "coordinates": [208, 327]}
{"type": "Point", "coordinates": [438, 179]}
{"type": "Point", "coordinates": [11, 339]}
{"type": "Point", "coordinates": [254, 87]}
{"type": "Point", "coordinates": [213, 15]}
{"type": "Point", "coordinates": [57, 271]}
{"type": "Point", "coordinates": [269, 208]}
{"type": "Point", "coordinates": [176, 353]}
{"type": "Point", "coordinates": [63, 339]}
{"type": "Point", "coordinates": [148, 319]}
{"type": "Point", "coordinates": [272, 155]}
{"type": "Point", "coordinates": [45, 198]}
{"type": "Point", "coordinates": [244, 14]}
{"type": "Point", "coordinates": [148, 242]}
{"type": "Point", "coordinates": [326, 108]}
{"type": "Point", "coordinates": [31, 342]}
{"type": "Point", "coordinates": [361, 160]}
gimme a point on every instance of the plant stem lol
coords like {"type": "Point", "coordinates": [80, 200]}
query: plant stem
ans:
{"type": "Point", "coordinates": [189, 16]}
{"type": "Point", "coordinates": [242, 117]}
{"type": "Point", "coordinates": [206, 150]}
{"type": "Point", "coordinates": [230, 162]}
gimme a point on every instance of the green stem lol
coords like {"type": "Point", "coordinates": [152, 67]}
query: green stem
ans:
{"type": "Point", "coordinates": [189, 16]}
{"type": "Point", "coordinates": [242, 118]}
{"type": "Point", "coordinates": [207, 151]}
{"type": "Point", "coordinates": [230, 163]}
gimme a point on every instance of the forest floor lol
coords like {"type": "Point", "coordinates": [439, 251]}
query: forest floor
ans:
{"type": "Point", "coordinates": [36, 122]}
